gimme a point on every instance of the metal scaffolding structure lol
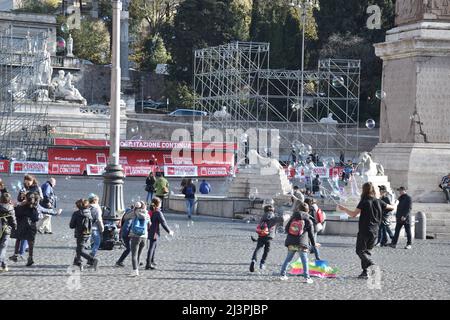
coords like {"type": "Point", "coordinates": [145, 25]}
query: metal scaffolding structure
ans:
{"type": "Point", "coordinates": [234, 84]}
{"type": "Point", "coordinates": [23, 106]}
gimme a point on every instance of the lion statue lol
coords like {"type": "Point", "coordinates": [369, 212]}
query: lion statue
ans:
{"type": "Point", "coordinates": [370, 168]}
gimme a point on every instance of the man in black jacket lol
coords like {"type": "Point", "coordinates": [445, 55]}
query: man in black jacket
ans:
{"type": "Point", "coordinates": [403, 217]}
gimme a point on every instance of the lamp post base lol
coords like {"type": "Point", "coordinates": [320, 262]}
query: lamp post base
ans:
{"type": "Point", "coordinates": [112, 200]}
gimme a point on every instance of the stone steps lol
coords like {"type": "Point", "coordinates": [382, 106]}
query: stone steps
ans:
{"type": "Point", "coordinates": [441, 236]}
{"type": "Point", "coordinates": [438, 222]}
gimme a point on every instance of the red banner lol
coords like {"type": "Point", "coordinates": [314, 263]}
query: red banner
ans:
{"type": "Point", "coordinates": [213, 171]}
{"type": "Point", "coordinates": [29, 167]}
{"type": "Point", "coordinates": [4, 166]}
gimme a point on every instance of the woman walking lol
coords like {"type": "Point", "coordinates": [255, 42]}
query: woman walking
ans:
{"type": "Point", "coordinates": [150, 186]}
{"type": "Point", "coordinates": [157, 219]}
{"type": "Point", "coordinates": [138, 234]}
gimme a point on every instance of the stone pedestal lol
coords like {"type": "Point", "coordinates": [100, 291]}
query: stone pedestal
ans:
{"type": "Point", "coordinates": [414, 143]}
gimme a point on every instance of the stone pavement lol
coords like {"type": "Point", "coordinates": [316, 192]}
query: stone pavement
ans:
{"type": "Point", "coordinates": [210, 259]}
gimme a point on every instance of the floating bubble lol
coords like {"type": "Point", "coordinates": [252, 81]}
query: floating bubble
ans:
{"type": "Point", "coordinates": [337, 82]}
{"type": "Point", "coordinates": [68, 178]}
{"type": "Point", "coordinates": [380, 94]}
{"type": "Point", "coordinates": [190, 223]}
{"type": "Point", "coordinates": [65, 28]}
{"type": "Point", "coordinates": [370, 124]}
{"type": "Point", "coordinates": [60, 44]}
{"type": "Point", "coordinates": [295, 106]}
{"type": "Point", "coordinates": [75, 148]}
{"type": "Point", "coordinates": [134, 130]}
{"type": "Point", "coordinates": [308, 148]}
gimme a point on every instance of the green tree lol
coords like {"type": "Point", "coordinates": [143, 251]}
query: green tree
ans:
{"type": "Point", "coordinates": [149, 53]}
{"type": "Point", "coordinates": [92, 41]}
{"type": "Point", "coordinates": [38, 6]}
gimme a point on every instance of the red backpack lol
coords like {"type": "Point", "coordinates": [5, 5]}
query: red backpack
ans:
{"type": "Point", "coordinates": [320, 216]}
{"type": "Point", "coordinates": [296, 227]}
{"type": "Point", "coordinates": [262, 229]}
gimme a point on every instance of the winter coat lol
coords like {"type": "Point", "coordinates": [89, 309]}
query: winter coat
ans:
{"type": "Point", "coordinates": [150, 184]}
{"type": "Point", "coordinates": [7, 219]}
{"type": "Point", "coordinates": [193, 189]}
{"type": "Point", "coordinates": [157, 219]}
{"type": "Point", "coordinates": [308, 230]}
{"type": "Point", "coordinates": [404, 207]}
{"type": "Point", "coordinates": [25, 190]}
{"type": "Point", "coordinates": [26, 217]}
{"type": "Point", "coordinates": [77, 222]}
{"type": "Point", "coordinates": [48, 196]}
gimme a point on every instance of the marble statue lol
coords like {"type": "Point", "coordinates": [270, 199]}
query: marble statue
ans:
{"type": "Point", "coordinates": [44, 70]}
{"type": "Point", "coordinates": [370, 168]}
{"type": "Point", "coordinates": [29, 44]}
{"type": "Point", "coordinates": [222, 113]}
{"type": "Point", "coordinates": [268, 165]}
{"type": "Point", "coordinates": [328, 120]}
{"type": "Point", "coordinates": [63, 88]}
{"type": "Point", "coordinates": [70, 46]}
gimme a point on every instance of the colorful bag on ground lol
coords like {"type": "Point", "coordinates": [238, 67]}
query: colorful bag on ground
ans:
{"type": "Point", "coordinates": [318, 269]}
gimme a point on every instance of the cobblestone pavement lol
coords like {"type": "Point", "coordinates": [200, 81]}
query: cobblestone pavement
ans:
{"type": "Point", "coordinates": [210, 260]}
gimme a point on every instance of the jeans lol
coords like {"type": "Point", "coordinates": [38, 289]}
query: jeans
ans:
{"type": "Point", "coordinates": [190, 203]}
{"type": "Point", "coordinates": [137, 244]}
{"type": "Point", "coordinates": [303, 256]}
{"type": "Point", "coordinates": [21, 246]}
{"type": "Point", "coordinates": [383, 234]}
{"type": "Point", "coordinates": [81, 253]}
{"type": "Point", "coordinates": [398, 228]}
{"type": "Point", "coordinates": [3, 246]}
{"type": "Point", "coordinates": [149, 196]}
{"type": "Point", "coordinates": [96, 238]}
{"type": "Point", "coordinates": [151, 251]}
{"type": "Point", "coordinates": [127, 250]}
{"type": "Point", "coordinates": [364, 244]}
{"type": "Point", "coordinates": [262, 242]}
{"type": "Point", "coordinates": [314, 249]}
{"type": "Point", "coordinates": [447, 193]}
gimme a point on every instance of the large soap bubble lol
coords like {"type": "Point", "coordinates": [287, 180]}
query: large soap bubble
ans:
{"type": "Point", "coordinates": [370, 124]}
{"type": "Point", "coordinates": [337, 82]}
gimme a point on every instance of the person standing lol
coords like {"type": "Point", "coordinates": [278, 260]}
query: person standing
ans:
{"type": "Point", "coordinates": [48, 201]}
{"type": "Point", "coordinates": [27, 216]}
{"type": "Point", "coordinates": [297, 194]}
{"type": "Point", "coordinates": [124, 235]}
{"type": "Point", "coordinates": [266, 233]}
{"type": "Point", "coordinates": [161, 188]}
{"type": "Point", "coordinates": [317, 226]}
{"type": "Point", "coordinates": [385, 230]}
{"type": "Point", "coordinates": [189, 194]}
{"type": "Point", "coordinates": [316, 183]}
{"type": "Point", "coordinates": [81, 222]}
{"type": "Point", "coordinates": [7, 224]}
{"type": "Point", "coordinates": [138, 234]}
{"type": "Point", "coordinates": [205, 187]}
{"type": "Point", "coordinates": [157, 219]}
{"type": "Point", "coordinates": [445, 186]}
{"type": "Point", "coordinates": [97, 223]}
{"type": "Point", "coordinates": [2, 187]}
{"type": "Point", "coordinates": [403, 218]}
{"type": "Point", "coordinates": [299, 230]}
{"type": "Point", "coordinates": [370, 210]}
{"type": "Point", "coordinates": [150, 186]}
{"type": "Point", "coordinates": [30, 184]}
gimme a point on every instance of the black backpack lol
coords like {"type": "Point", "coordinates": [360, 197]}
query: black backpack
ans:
{"type": "Point", "coordinates": [86, 226]}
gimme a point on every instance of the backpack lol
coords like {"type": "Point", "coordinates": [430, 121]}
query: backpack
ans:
{"type": "Point", "coordinates": [320, 216]}
{"type": "Point", "coordinates": [139, 226]}
{"type": "Point", "coordinates": [296, 227]}
{"type": "Point", "coordinates": [189, 191]}
{"type": "Point", "coordinates": [86, 226]}
{"type": "Point", "coordinates": [125, 228]}
{"type": "Point", "coordinates": [262, 229]}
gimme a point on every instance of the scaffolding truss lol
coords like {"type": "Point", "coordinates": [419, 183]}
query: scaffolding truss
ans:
{"type": "Point", "coordinates": [23, 104]}
{"type": "Point", "coordinates": [234, 85]}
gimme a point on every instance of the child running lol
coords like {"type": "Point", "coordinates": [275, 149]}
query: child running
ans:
{"type": "Point", "coordinates": [157, 219]}
{"type": "Point", "coordinates": [299, 229]}
{"type": "Point", "coordinates": [266, 233]}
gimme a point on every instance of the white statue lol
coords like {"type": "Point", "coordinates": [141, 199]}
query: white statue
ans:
{"type": "Point", "coordinates": [269, 165]}
{"type": "Point", "coordinates": [328, 120]}
{"type": "Point", "coordinates": [29, 45]}
{"type": "Point", "coordinates": [370, 168]}
{"type": "Point", "coordinates": [44, 70]}
{"type": "Point", "coordinates": [70, 46]}
{"type": "Point", "coordinates": [64, 89]}
{"type": "Point", "coordinates": [222, 113]}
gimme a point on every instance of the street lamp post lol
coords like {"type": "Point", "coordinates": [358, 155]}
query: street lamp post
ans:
{"type": "Point", "coordinates": [113, 177]}
{"type": "Point", "coordinates": [304, 6]}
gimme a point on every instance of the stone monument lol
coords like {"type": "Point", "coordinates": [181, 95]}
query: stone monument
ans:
{"type": "Point", "coordinates": [414, 142]}
{"type": "Point", "coordinates": [70, 46]}
{"type": "Point", "coordinates": [63, 89]}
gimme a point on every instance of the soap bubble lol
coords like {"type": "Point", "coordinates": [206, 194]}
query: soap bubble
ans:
{"type": "Point", "coordinates": [68, 178]}
{"type": "Point", "coordinates": [190, 223]}
{"type": "Point", "coordinates": [308, 148]}
{"type": "Point", "coordinates": [60, 44]}
{"type": "Point", "coordinates": [65, 28]}
{"type": "Point", "coordinates": [134, 130]}
{"type": "Point", "coordinates": [370, 124]}
{"type": "Point", "coordinates": [380, 94]}
{"type": "Point", "coordinates": [295, 106]}
{"type": "Point", "coordinates": [337, 82]}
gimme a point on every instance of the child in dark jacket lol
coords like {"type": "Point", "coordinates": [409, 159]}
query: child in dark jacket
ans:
{"type": "Point", "coordinates": [82, 223]}
{"type": "Point", "coordinates": [7, 224]}
{"type": "Point", "coordinates": [266, 232]}
{"type": "Point", "coordinates": [157, 219]}
{"type": "Point", "coordinates": [299, 230]}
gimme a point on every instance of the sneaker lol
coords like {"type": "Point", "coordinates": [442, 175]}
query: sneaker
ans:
{"type": "Point", "coordinates": [60, 211]}
{"type": "Point", "coordinates": [284, 278]}
{"type": "Point", "coordinates": [95, 264]}
{"type": "Point", "coordinates": [134, 273]}
{"type": "Point", "coordinates": [252, 266]}
{"type": "Point", "coordinates": [309, 280]}
{"type": "Point", "coordinates": [119, 264]}
{"type": "Point", "coordinates": [363, 275]}
{"type": "Point", "coordinates": [152, 266]}
{"type": "Point", "coordinates": [13, 258]}
{"type": "Point", "coordinates": [408, 247]}
{"type": "Point", "coordinates": [262, 266]}
{"type": "Point", "coordinates": [30, 262]}
{"type": "Point", "coordinates": [393, 245]}
{"type": "Point", "coordinates": [378, 244]}
{"type": "Point", "coordinates": [49, 232]}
